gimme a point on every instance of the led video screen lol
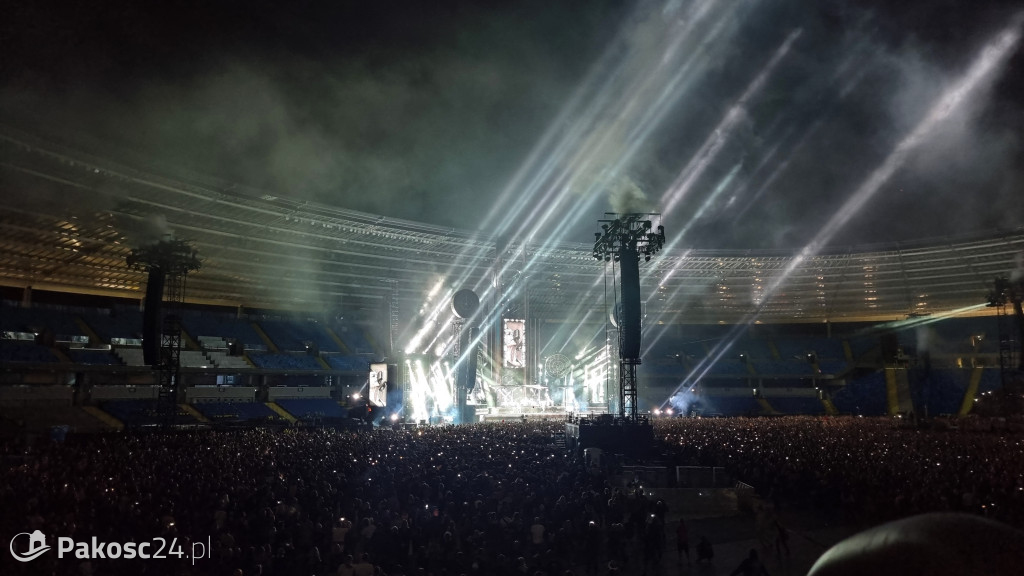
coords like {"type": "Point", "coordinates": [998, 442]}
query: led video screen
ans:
{"type": "Point", "coordinates": [514, 343]}
{"type": "Point", "coordinates": [377, 394]}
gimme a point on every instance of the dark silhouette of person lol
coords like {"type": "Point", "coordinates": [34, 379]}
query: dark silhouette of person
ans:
{"type": "Point", "coordinates": [682, 541]}
{"type": "Point", "coordinates": [751, 566]}
{"type": "Point", "coordinates": [704, 550]}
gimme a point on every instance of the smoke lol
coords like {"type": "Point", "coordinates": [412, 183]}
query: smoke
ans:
{"type": "Point", "coordinates": [1017, 274]}
{"type": "Point", "coordinates": [962, 163]}
{"type": "Point", "coordinates": [682, 401]}
{"type": "Point", "coordinates": [626, 197]}
{"type": "Point", "coordinates": [429, 117]}
{"type": "Point", "coordinates": [925, 338]}
{"type": "Point", "coordinates": [32, 192]}
{"type": "Point", "coordinates": [142, 231]}
{"type": "Point", "coordinates": [435, 119]}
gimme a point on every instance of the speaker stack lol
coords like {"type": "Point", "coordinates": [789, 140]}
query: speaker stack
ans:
{"type": "Point", "coordinates": [629, 337]}
{"type": "Point", "coordinates": [152, 317]}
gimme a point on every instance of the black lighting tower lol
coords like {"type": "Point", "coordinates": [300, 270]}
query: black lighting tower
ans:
{"type": "Point", "coordinates": [1009, 293]}
{"type": "Point", "coordinates": [624, 238]}
{"type": "Point", "coordinates": [465, 304]}
{"type": "Point", "coordinates": [168, 262]}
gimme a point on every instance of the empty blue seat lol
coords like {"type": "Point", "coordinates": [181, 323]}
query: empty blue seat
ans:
{"type": "Point", "coordinates": [307, 408]}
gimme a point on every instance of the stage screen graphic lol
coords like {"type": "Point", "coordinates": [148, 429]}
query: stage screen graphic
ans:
{"type": "Point", "coordinates": [514, 343]}
{"type": "Point", "coordinates": [377, 394]}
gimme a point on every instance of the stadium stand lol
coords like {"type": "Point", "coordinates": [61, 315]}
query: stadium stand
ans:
{"type": "Point", "coordinates": [234, 412]}
{"type": "Point", "coordinates": [212, 343]}
{"type": "Point", "coordinates": [754, 348]}
{"type": "Point", "coordinates": [134, 413]}
{"type": "Point", "coordinates": [730, 405]}
{"type": "Point", "coordinates": [945, 390]}
{"type": "Point", "coordinates": [664, 369]}
{"type": "Point", "coordinates": [349, 363]}
{"type": "Point", "coordinates": [991, 379]}
{"type": "Point", "coordinates": [310, 408]}
{"type": "Point", "coordinates": [17, 351]}
{"type": "Point", "coordinates": [39, 319]}
{"type": "Point", "coordinates": [285, 361]}
{"type": "Point", "coordinates": [865, 396]}
{"type": "Point", "coordinates": [194, 359]}
{"type": "Point", "coordinates": [833, 366]}
{"type": "Point", "coordinates": [96, 357]}
{"type": "Point", "coordinates": [798, 348]}
{"type": "Point", "coordinates": [223, 360]}
{"type": "Point", "coordinates": [119, 322]}
{"type": "Point", "coordinates": [782, 367]}
{"type": "Point", "coordinates": [40, 417]}
{"type": "Point", "coordinates": [130, 356]}
{"type": "Point", "coordinates": [862, 345]}
{"type": "Point", "coordinates": [223, 325]}
{"type": "Point", "coordinates": [729, 367]}
{"type": "Point", "coordinates": [956, 336]}
{"type": "Point", "coordinates": [353, 338]}
{"type": "Point", "coordinates": [797, 405]}
{"type": "Point", "coordinates": [296, 335]}
{"type": "Point", "coordinates": [695, 349]}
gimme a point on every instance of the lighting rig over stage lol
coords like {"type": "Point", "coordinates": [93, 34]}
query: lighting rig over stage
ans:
{"type": "Point", "coordinates": [624, 238]}
{"type": "Point", "coordinates": [627, 232]}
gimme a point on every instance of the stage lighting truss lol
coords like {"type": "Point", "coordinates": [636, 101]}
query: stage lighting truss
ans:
{"type": "Point", "coordinates": [625, 233]}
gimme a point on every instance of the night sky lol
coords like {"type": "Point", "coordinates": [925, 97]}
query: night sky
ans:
{"type": "Point", "coordinates": [749, 124]}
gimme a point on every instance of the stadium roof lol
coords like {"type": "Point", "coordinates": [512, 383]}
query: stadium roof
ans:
{"type": "Point", "coordinates": [70, 219]}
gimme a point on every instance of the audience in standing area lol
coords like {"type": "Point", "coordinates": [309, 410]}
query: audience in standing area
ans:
{"type": "Point", "coordinates": [490, 499]}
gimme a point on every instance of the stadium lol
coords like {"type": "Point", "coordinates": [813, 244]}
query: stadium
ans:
{"type": "Point", "coordinates": [286, 382]}
{"type": "Point", "coordinates": [325, 292]}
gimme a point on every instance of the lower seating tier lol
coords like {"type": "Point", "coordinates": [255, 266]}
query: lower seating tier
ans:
{"type": "Point", "coordinates": [236, 411]}
{"type": "Point", "coordinates": [309, 408]}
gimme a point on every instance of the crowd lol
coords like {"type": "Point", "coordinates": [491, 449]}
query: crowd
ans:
{"type": "Point", "coordinates": [495, 499]}
{"type": "Point", "coordinates": [498, 499]}
{"type": "Point", "coordinates": [872, 469]}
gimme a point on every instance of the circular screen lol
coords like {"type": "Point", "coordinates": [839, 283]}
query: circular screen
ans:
{"type": "Point", "coordinates": [464, 303]}
{"type": "Point", "coordinates": [557, 365]}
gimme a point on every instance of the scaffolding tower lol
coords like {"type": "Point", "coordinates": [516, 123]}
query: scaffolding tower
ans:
{"type": "Point", "coordinates": [176, 258]}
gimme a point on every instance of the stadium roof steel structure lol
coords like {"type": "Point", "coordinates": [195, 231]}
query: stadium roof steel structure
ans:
{"type": "Point", "coordinates": [69, 220]}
